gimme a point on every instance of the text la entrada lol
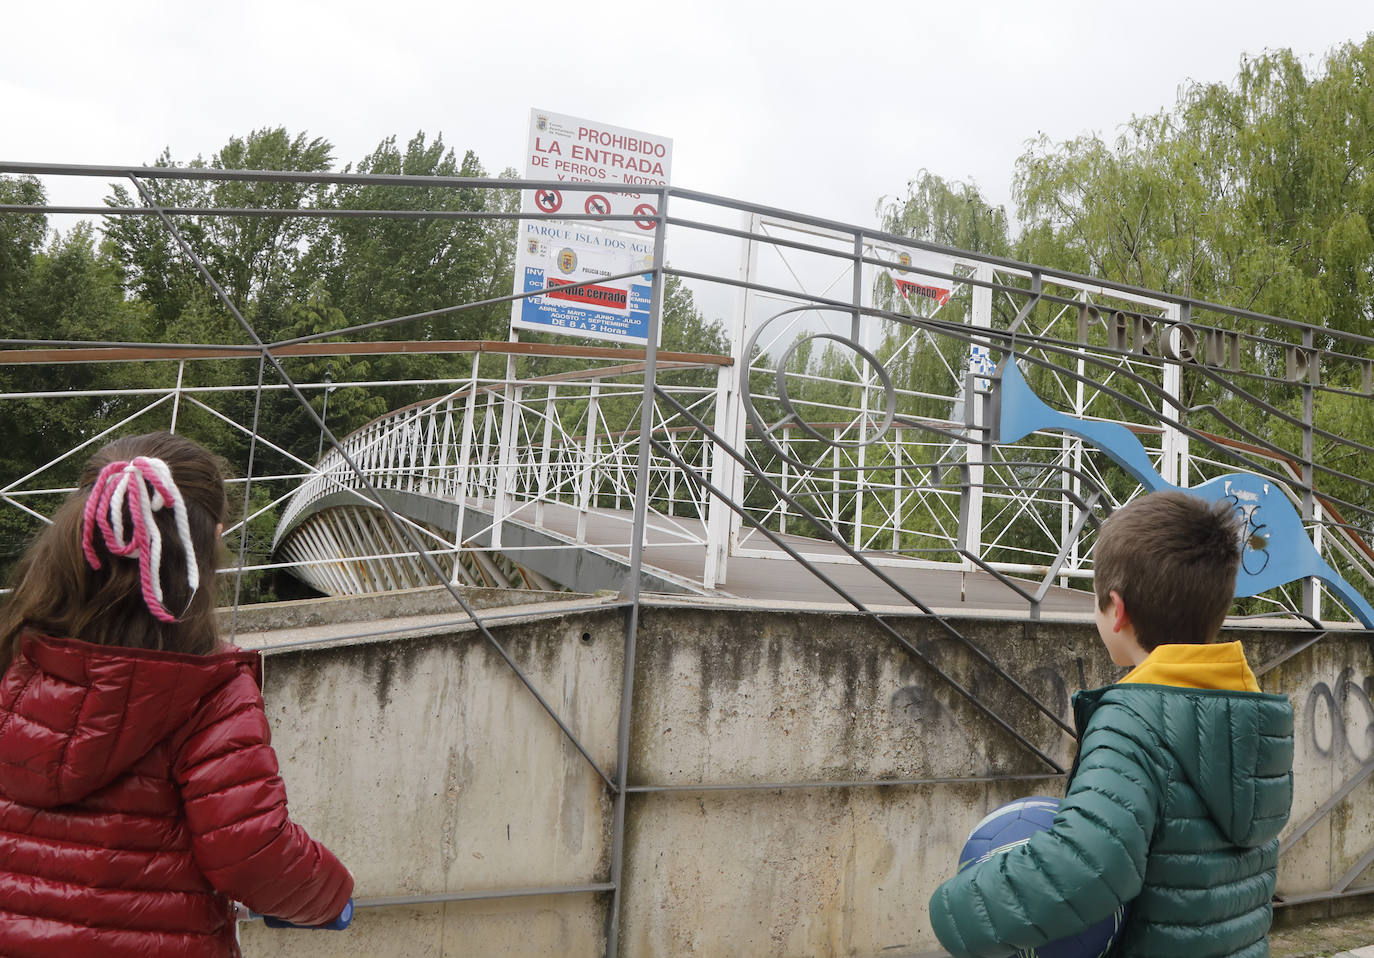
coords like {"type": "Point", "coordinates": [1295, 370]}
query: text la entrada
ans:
{"type": "Point", "coordinates": [612, 159]}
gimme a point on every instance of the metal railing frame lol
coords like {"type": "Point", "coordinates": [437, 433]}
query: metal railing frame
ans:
{"type": "Point", "coordinates": [726, 440]}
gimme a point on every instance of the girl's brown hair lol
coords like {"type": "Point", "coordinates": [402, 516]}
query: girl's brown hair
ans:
{"type": "Point", "coordinates": [57, 593]}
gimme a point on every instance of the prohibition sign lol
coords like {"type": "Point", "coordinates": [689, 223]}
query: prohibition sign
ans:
{"type": "Point", "coordinates": [644, 209]}
{"type": "Point", "coordinates": [548, 201]}
{"type": "Point", "coordinates": [596, 203]}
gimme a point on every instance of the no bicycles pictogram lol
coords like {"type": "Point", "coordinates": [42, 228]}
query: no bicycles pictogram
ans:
{"type": "Point", "coordinates": [596, 203]}
{"type": "Point", "coordinates": [548, 201]}
{"type": "Point", "coordinates": [644, 209]}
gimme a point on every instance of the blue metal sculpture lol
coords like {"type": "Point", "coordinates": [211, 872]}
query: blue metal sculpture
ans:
{"type": "Point", "coordinates": [1277, 549]}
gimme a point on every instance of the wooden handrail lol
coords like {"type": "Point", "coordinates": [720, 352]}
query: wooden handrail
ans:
{"type": "Point", "coordinates": [153, 353]}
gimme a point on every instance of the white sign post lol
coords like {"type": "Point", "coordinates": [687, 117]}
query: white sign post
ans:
{"type": "Point", "coordinates": [554, 253]}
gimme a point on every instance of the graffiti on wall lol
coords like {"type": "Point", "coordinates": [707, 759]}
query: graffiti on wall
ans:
{"type": "Point", "coordinates": [1339, 718]}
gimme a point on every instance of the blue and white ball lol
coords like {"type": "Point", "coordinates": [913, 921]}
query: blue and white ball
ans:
{"type": "Point", "coordinates": [1013, 824]}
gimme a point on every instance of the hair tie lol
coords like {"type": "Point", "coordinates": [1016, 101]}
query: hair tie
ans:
{"type": "Point", "coordinates": [121, 483]}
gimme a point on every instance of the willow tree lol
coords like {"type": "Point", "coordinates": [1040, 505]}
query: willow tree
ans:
{"type": "Point", "coordinates": [1256, 193]}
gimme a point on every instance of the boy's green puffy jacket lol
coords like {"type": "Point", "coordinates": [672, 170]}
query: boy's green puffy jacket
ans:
{"type": "Point", "coordinates": [1174, 805]}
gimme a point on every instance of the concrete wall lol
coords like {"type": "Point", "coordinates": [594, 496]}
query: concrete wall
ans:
{"type": "Point", "coordinates": [427, 766]}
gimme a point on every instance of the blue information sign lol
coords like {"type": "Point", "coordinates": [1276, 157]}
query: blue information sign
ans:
{"type": "Point", "coordinates": [619, 312]}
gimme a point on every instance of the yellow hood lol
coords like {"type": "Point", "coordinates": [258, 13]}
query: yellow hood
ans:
{"type": "Point", "coordinates": [1218, 665]}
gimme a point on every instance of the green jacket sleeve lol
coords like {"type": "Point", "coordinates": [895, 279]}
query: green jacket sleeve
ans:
{"type": "Point", "coordinates": [1076, 873]}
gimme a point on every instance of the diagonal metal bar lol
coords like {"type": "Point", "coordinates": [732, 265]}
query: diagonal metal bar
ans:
{"type": "Point", "coordinates": [1029, 305]}
{"type": "Point", "coordinates": [1195, 435]}
{"type": "Point", "coordinates": [88, 443]}
{"type": "Point", "coordinates": [430, 564]}
{"type": "Point", "coordinates": [882, 623]}
{"type": "Point", "coordinates": [863, 561]}
{"type": "Point", "coordinates": [445, 311]}
{"type": "Point", "coordinates": [1085, 514]}
{"type": "Point", "coordinates": [1284, 656]}
{"type": "Point", "coordinates": [483, 895]}
{"type": "Point", "coordinates": [1005, 580]}
{"type": "Point", "coordinates": [1310, 821]}
{"type": "Point", "coordinates": [9, 500]}
{"type": "Point", "coordinates": [1356, 869]}
{"type": "Point", "coordinates": [997, 262]}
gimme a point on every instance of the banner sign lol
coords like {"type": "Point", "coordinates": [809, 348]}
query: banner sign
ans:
{"type": "Point", "coordinates": [910, 289]}
{"type": "Point", "coordinates": [923, 294]}
{"type": "Point", "coordinates": [915, 288]}
{"type": "Point", "coordinates": [555, 253]}
{"type": "Point", "coordinates": [583, 151]}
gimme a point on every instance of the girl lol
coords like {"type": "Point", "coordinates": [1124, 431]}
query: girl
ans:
{"type": "Point", "coordinates": [139, 793]}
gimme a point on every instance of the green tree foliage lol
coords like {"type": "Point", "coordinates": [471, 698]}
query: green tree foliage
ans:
{"type": "Point", "coordinates": [685, 328]}
{"type": "Point", "coordinates": [378, 269]}
{"type": "Point", "coordinates": [21, 236]}
{"type": "Point", "coordinates": [66, 291]}
{"type": "Point", "coordinates": [256, 259]}
{"type": "Point", "coordinates": [1256, 194]}
{"type": "Point", "coordinates": [947, 212]}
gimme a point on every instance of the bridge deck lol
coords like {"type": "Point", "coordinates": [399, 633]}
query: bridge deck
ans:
{"type": "Point", "coordinates": [673, 546]}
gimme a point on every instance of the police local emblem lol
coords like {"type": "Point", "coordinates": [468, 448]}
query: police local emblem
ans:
{"type": "Point", "coordinates": [567, 260]}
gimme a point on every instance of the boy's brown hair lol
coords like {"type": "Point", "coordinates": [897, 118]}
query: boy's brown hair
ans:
{"type": "Point", "coordinates": [1173, 558]}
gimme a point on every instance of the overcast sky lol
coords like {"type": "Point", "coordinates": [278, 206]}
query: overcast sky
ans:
{"type": "Point", "coordinates": [817, 107]}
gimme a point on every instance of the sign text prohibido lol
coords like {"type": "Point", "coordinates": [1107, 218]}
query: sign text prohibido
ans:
{"type": "Point", "coordinates": [575, 261]}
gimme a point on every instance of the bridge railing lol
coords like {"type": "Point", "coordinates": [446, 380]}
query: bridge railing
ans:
{"type": "Point", "coordinates": [552, 453]}
{"type": "Point", "coordinates": [858, 323]}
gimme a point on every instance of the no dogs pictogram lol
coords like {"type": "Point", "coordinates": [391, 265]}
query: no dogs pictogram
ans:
{"type": "Point", "coordinates": [596, 203]}
{"type": "Point", "coordinates": [548, 201]}
{"type": "Point", "coordinates": [644, 209]}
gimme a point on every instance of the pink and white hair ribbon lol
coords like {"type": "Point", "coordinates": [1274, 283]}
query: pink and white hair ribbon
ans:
{"type": "Point", "coordinates": [121, 483]}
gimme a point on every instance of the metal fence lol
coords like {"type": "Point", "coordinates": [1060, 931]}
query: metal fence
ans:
{"type": "Point", "coordinates": [856, 422]}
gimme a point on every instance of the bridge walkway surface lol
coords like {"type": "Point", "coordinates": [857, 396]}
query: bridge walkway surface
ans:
{"type": "Point", "coordinates": [673, 554]}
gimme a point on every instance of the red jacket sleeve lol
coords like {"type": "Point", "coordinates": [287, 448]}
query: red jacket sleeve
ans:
{"type": "Point", "coordinates": [235, 806]}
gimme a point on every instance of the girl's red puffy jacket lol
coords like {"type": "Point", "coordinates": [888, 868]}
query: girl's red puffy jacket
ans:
{"type": "Point", "coordinates": [139, 795]}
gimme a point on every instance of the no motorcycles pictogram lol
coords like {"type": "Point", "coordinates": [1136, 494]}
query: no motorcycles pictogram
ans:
{"type": "Point", "coordinates": [548, 201]}
{"type": "Point", "coordinates": [596, 203]}
{"type": "Point", "coordinates": [645, 209]}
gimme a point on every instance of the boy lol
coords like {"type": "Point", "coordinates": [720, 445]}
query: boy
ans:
{"type": "Point", "coordinates": [1184, 774]}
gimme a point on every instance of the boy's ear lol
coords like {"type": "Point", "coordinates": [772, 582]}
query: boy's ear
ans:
{"type": "Point", "coordinates": [1120, 617]}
